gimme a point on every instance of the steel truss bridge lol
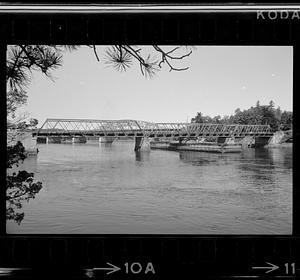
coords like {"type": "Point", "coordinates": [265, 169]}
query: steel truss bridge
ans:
{"type": "Point", "coordinates": [135, 128]}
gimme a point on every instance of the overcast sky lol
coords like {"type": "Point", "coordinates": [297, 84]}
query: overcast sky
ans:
{"type": "Point", "coordinates": [219, 80]}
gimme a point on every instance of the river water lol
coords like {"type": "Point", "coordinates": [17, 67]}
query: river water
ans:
{"type": "Point", "coordinates": [109, 189]}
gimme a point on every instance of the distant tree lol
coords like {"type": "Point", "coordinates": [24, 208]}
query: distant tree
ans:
{"type": "Point", "coordinates": [198, 119]}
{"type": "Point", "coordinates": [216, 119]}
{"type": "Point", "coordinates": [271, 104]}
{"type": "Point", "coordinates": [269, 117]}
{"type": "Point", "coordinates": [237, 111]}
{"type": "Point", "coordinates": [225, 120]}
{"type": "Point", "coordinates": [260, 114]}
{"type": "Point", "coordinates": [286, 120]}
{"type": "Point", "coordinates": [278, 113]}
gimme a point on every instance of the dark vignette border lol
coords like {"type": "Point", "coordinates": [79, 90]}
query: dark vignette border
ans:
{"type": "Point", "coordinates": [218, 253]}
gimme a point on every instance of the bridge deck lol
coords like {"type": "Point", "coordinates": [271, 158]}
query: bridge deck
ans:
{"type": "Point", "coordinates": [127, 128]}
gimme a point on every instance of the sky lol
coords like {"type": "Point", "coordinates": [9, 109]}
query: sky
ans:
{"type": "Point", "coordinates": [219, 80]}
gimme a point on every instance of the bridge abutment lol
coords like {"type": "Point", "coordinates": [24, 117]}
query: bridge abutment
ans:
{"type": "Point", "coordinates": [142, 144]}
{"type": "Point", "coordinates": [277, 138]}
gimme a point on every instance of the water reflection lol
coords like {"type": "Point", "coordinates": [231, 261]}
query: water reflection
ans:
{"type": "Point", "coordinates": [269, 158]}
{"type": "Point", "coordinates": [202, 158]}
{"type": "Point", "coordinates": [282, 156]}
{"type": "Point", "coordinates": [106, 145]}
{"type": "Point", "coordinates": [142, 156]}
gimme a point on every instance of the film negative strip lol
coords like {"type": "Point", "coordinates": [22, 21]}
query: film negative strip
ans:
{"type": "Point", "coordinates": [164, 26]}
{"type": "Point", "coordinates": [151, 256]}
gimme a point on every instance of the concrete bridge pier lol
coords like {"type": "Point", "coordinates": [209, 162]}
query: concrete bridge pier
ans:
{"type": "Point", "coordinates": [142, 144]}
{"type": "Point", "coordinates": [261, 141]}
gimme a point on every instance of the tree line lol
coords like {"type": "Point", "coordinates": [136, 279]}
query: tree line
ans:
{"type": "Point", "coordinates": [258, 114]}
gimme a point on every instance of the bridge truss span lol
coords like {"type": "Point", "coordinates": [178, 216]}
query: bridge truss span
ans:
{"type": "Point", "coordinates": [136, 128]}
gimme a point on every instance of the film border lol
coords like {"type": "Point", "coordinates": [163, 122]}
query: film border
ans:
{"type": "Point", "coordinates": [205, 26]}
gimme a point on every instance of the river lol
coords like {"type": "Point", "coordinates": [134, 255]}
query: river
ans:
{"type": "Point", "coordinates": [109, 189]}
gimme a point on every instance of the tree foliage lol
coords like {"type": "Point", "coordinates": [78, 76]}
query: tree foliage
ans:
{"type": "Point", "coordinates": [260, 114]}
{"type": "Point", "coordinates": [19, 185]}
{"type": "Point", "coordinates": [21, 61]}
{"type": "Point", "coordinates": [121, 57]}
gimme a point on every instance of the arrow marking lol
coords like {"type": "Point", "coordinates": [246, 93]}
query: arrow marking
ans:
{"type": "Point", "coordinates": [270, 268]}
{"type": "Point", "coordinates": [111, 269]}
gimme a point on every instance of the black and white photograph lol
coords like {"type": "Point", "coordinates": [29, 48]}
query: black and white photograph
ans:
{"type": "Point", "coordinates": [149, 139]}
